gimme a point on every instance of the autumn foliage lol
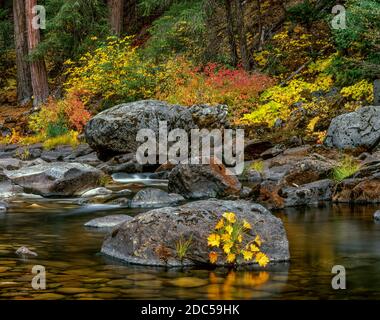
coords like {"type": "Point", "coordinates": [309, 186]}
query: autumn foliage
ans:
{"type": "Point", "coordinates": [184, 83]}
{"type": "Point", "coordinates": [229, 243]}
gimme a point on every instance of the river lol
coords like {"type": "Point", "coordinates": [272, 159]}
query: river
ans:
{"type": "Point", "coordinates": [319, 238]}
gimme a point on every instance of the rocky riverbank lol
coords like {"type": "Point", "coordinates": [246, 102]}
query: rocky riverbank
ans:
{"type": "Point", "coordinates": [275, 176]}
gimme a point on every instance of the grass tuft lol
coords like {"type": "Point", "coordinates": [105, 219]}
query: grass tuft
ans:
{"type": "Point", "coordinates": [346, 168]}
{"type": "Point", "coordinates": [182, 246]}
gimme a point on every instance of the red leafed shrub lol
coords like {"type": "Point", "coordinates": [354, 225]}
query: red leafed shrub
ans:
{"type": "Point", "coordinates": [182, 83]}
{"type": "Point", "coordinates": [75, 110]}
{"type": "Point", "coordinates": [238, 80]}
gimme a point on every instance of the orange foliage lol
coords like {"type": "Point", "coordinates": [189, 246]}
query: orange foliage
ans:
{"type": "Point", "coordinates": [75, 111]}
{"type": "Point", "coordinates": [183, 83]}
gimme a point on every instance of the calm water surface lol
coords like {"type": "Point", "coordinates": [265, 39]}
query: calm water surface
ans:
{"type": "Point", "coordinates": [319, 239]}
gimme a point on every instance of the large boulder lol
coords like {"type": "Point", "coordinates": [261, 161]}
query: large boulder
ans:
{"type": "Point", "coordinates": [356, 129]}
{"type": "Point", "coordinates": [210, 117]}
{"type": "Point", "coordinates": [151, 237]}
{"type": "Point", "coordinates": [195, 181]}
{"type": "Point", "coordinates": [114, 131]}
{"type": "Point", "coordinates": [56, 178]}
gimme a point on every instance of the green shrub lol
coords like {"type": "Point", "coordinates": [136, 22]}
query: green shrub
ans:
{"type": "Point", "coordinates": [56, 129]}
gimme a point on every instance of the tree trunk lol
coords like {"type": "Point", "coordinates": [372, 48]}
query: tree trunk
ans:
{"type": "Point", "coordinates": [37, 66]}
{"type": "Point", "coordinates": [230, 31]}
{"type": "Point", "coordinates": [260, 25]}
{"type": "Point", "coordinates": [242, 35]}
{"type": "Point", "coordinates": [24, 82]}
{"type": "Point", "coordinates": [116, 8]}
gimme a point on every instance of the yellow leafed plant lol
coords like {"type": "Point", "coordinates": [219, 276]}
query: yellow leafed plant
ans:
{"type": "Point", "coordinates": [113, 73]}
{"type": "Point", "coordinates": [227, 241]}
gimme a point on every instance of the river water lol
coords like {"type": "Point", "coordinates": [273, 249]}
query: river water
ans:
{"type": "Point", "coordinates": [319, 238]}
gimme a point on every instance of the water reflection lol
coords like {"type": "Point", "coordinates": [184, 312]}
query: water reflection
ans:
{"type": "Point", "coordinates": [319, 237]}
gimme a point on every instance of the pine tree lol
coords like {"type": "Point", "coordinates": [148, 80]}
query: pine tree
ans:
{"type": "Point", "coordinates": [24, 83]}
{"type": "Point", "coordinates": [37, 65]}
{"type": "Point", "coordinates": [116, 13]}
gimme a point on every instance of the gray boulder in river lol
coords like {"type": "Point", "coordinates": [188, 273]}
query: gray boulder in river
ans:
{"type": "Point", "coordinates": [114, 131]}
{"type": "Point", "coordinates": [151, 237]}
{"type": "Point", "coordinates": [203, 181]}
{"type": "Point", "coordinates": [56, 178]}
{"type": "Point", "coordinates": [152, 197]}
{"type": "Point", "coordinates": [360, 128]}
{"type": "Point", "coordinates": [108, 221]}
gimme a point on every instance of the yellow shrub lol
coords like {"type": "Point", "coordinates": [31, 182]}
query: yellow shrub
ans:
{"type": "Point", "coordinates": [276, 102]}
{"type": "Point", "coordinates": [71, 138]}
{"type": "Point", "coordinates": [362, 90]}
{"type": "Point", "coordinates": [113, 73]}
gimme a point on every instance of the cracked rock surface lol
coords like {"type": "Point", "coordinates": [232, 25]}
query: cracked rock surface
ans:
{"type": "Point", "coordinates": [355, 129]}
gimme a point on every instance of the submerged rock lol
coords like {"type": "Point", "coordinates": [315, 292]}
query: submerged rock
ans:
{"type": "Point", "coordinates": [108, 221]}
{"type": "Point", "coordinates": [24, 251]}
{"type": "Point", "coordinates": [203, 181]}
{"type": "Point", "coordinates": [151, 237]}
{"type": "Point", "coordinates": [360, 128]}
{"type": "Point", "coordinates": [56, 179]}
{"type": "Point", "coordinates": [376, 215]}
{"type": "Point", "coordinates": [114, 131]}
{"type": "Point", "coordinates": [151, 197]}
